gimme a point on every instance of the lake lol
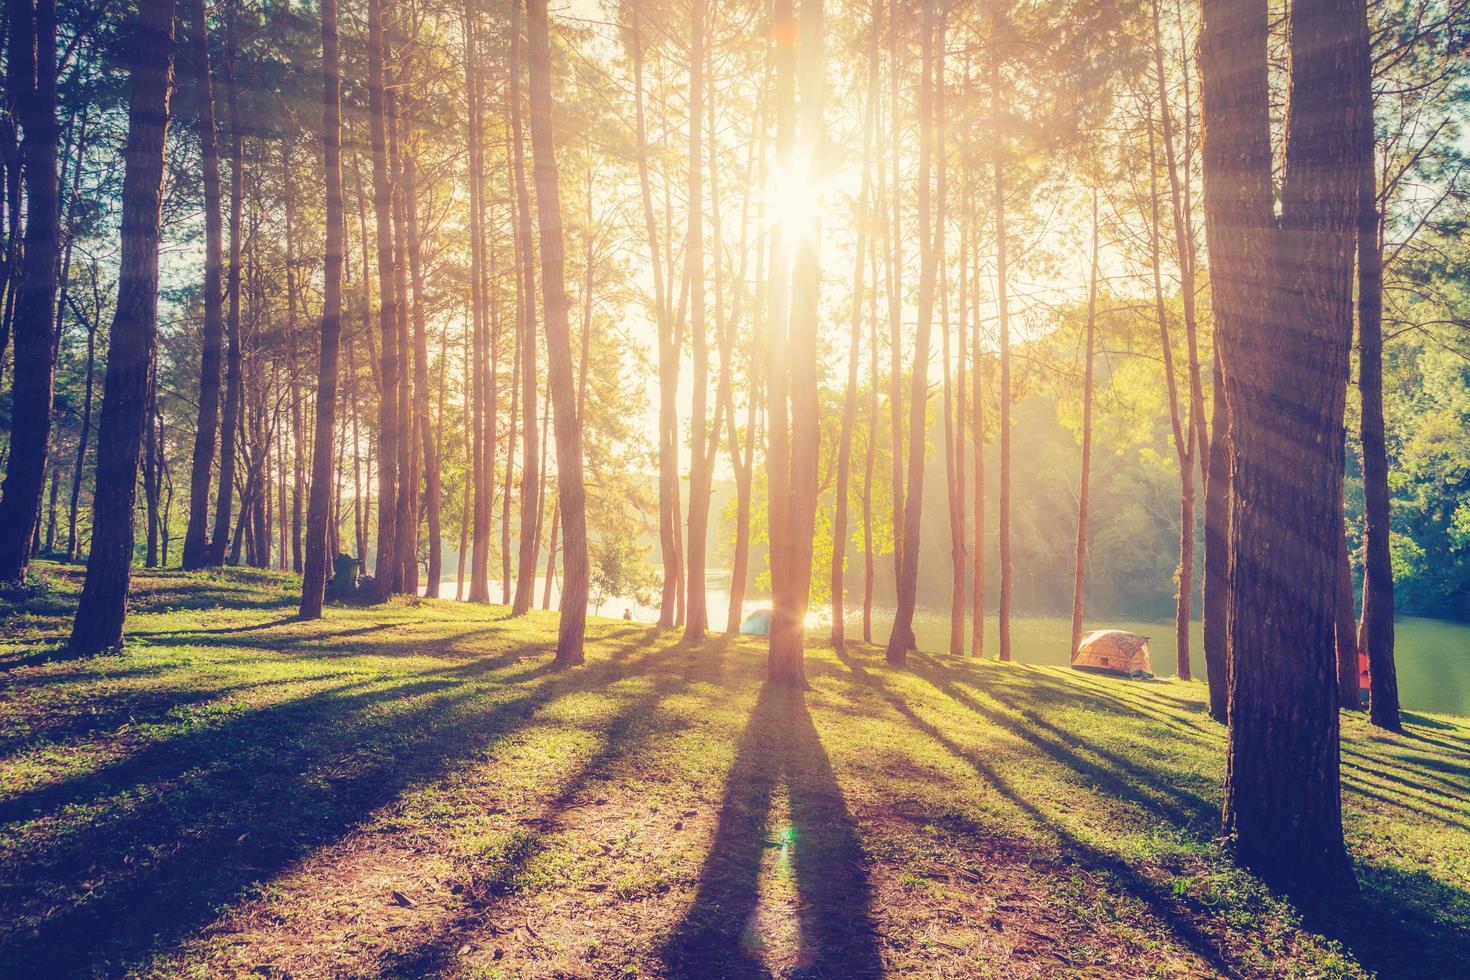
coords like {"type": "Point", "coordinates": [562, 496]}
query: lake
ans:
{"type": "Point", "coordinates": [1433, 655]}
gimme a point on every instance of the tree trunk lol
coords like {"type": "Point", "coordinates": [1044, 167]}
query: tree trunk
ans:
{"type": "Point", "coordinates": [298, 436]}
{"type": "Point", "coordinates": [977, 449]}
{"type": "Point", "coordinates": [894, 249]}
{"type": "Point", "coordinates": [1376, 630]}
{"type": "Point", "coordinates": [696, 623]}
{"type": "Point", "coordinates": [103, 604]}
{"type": "Point", "coordinates": [1004, 328]}
{"type": "Point", "coordinates": [201, 471]}
{"type": "Point", "coordinates": [1346, 626]}
{"type": "Point", "coordinates": [530, 485]}
{"type": "Point", "coordinates": [668, 480]}
{"type": "Point", "coordinates": [901, 639]}
{"type": "Point", "coordinates": [73, 545]}
{"type": "Point", "coordinates": [314, 578]}
{"type": "Point", "coordinates": [230, 419]}
{"type": "Point", "coordinates": [32, 90]}
{"type": "Point", "coordinates": [1080, 571]}
{"type": "Point", "coordinates": [152, 469]}
{"type": "Point", "coordinates": [571, 497]}
{"type": "Point", "coordinates": [1283, 307]}
{"type": "Point", "coordinates": [861, 213]}
{"type": "Point", "coordinates": [406, 521]}
{"type": "Point", "coordinates": [387, 567]}
{"type": "Point", "coordinates": [428, 454]}
{"type": "Point", "coordinates": [477, 486]}
{"type": "Point", "coordinates": [1217, 554]}
{"type": "Point", "coordinates": [1183, 432]}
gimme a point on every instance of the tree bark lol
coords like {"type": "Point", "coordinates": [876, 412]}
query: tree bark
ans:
{"type": "Point", "coordinates": [668, 477]}
{"type": "Point", "coordinates": [696, 623]}
{"type": "Point", "coordinates": [526, 257]}
{"type": "Point", "coordinates": [861, 216]}
{"type": "Point", "coordinates": [73, 545]}
{"type": "Point", "coordinates": [1217, 554]}
{"type": "Point", "coordinates": [1283, 307]}
{"type": "Point", "coordinates": [475, 390]}
{"type": "Point", "coordinates": [314, 577]}
{"type": "Point", "coordinates": [901, 639]}
{"type": "Point", "coordinates": [230, 419]}
{"type": "Point", "coordinates": [571, 496]}
{"type": "Point", "coordinates": [386, 570]}
{"type": "Point", "coordinates": [103, 604]}
{"type": "Point", "coordinates": [1002, 272]}
{"type": "Point", "coordinates": [1080, 571]}
{"type": "Point", "coordinates": [1376, 634]}
{"type": "Point", "coordinates": [196, 540]}
{"type": "Point", "coordinates": [32, 91]}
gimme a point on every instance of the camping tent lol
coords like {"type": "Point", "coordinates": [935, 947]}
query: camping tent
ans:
{"type": "Point", "coordinates": [1113, 652]}
{"type": "Point", "coordinates": [757, 623]}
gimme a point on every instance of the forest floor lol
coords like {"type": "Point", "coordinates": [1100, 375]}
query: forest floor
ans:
{"type": "Point", "coordinates": [412, 789]}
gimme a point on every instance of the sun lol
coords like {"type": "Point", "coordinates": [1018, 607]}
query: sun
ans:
{"type": "Point", "coordinates": [795, 201]}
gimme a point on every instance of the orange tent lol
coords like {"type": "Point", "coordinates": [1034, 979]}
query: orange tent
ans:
{"type": "Point", "coordinates": [1113, 652]}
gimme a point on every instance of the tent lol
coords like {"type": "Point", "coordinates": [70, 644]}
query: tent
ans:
{"type": "Point", "coordinates": [1113, 652]}
{"type": "Point", "coordinates": [757, 623]}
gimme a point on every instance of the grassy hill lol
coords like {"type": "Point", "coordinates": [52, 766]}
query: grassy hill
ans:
{"type": "Point", "coordinates": [411, 789]}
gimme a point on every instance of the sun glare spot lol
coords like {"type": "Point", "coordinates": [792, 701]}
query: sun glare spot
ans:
{"type": "Point", "coordinates": [794, 201]}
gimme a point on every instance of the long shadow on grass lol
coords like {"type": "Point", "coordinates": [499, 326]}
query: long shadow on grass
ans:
{"type": "Point", "coordinates": [97, 872]}
{"type": "Point", "coordinates": [626, 731]}
{"type": "Point", "coordinates": [1144, 786]}
{"type": "Point", "coordinates": [1156, 896]}
{"type": "Point", "coordinates": [835, 926]}
{"type": "Point", "coordinates": [1399, 924]}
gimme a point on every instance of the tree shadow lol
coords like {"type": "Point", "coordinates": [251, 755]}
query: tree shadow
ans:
{"type": "Point", "coordinates": [1159, 899]}
{"type": "Point", "coordinates": [624, 733]}
{"type": "Point", "coordinates": [103, 868]}
{"type": "Point", "coordinates": [836, 930]}
{"type": "Point", "coordinates": [1144, 786]}
{"type": "Point", "coordinates": [1398, 924]}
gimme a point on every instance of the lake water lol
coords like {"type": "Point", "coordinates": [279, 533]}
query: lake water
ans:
{"type": "Point", "coordinates": [1433, 655]}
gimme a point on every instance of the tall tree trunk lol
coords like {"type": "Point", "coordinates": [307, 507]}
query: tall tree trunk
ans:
{"type": "Point", "coordinates": [870, 451]}
{"type": "Point", "coordinates": [862, 211]}
{"type": "Point", "coordinates": [668, 477]}
{"type": "Point", "coordinates": [196, 540]}
{"type": "Point", "coordinates": [1283, 307]}
{"type": "Point", "coordinates": [73, 545]}
{"type": "Point", "coordinates": [1375, 634]}
{"type": "Point", "coordinates": [526, 257]}
{"type": "Point", "coordinates": [894, 249]}
{"type": "Point", "coordinates": [298, 436]}
{"type": "Point", "coordinates": [1002, 273]}
{"type": "Point", "coordinates": [901, 639]}
{"type": "Point", "coordinates": [230, 419]}
{"type": "Point", "coordinates": [386, 570]}
{"type": "Point", "coordinates": [406, 522]}
{"type": "Point", "coordinates": [977, 449]}
{"type": "Point", "coordinates": [1346, 626]}
{"type": "Point", "coordinates": [571, 496]}
{"type": "Point", "coordinates": [314, 577]}
{"type": "Point", "coordinates": [103, 604]}
{"type": "Point", "coordinates": [32, 91]}
{"type": "Point", "coordinates": [477, 486]}
{"type": "Point", "coordinates": [428, 454]}
{"type": "Point", "coordinates": [1183, 432]}
{"type": "Point", "coordinates": [1217, 554]}
{"type": "Point", "coordinates": [1080, 571]}
{"type": "Point", "coordinates": [696, 623]}
{"type": "Point", "coordinates": [152, 469]}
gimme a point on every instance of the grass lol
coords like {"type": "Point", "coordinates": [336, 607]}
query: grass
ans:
{"type": "Point", "coordinates": [410, 789]}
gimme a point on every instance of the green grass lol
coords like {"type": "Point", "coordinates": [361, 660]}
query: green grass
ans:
{"type": "Point", "coordinates": [411, 789]}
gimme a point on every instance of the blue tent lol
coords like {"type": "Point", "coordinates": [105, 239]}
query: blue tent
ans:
{"type": "Point", "coordinates": [757, 623]}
